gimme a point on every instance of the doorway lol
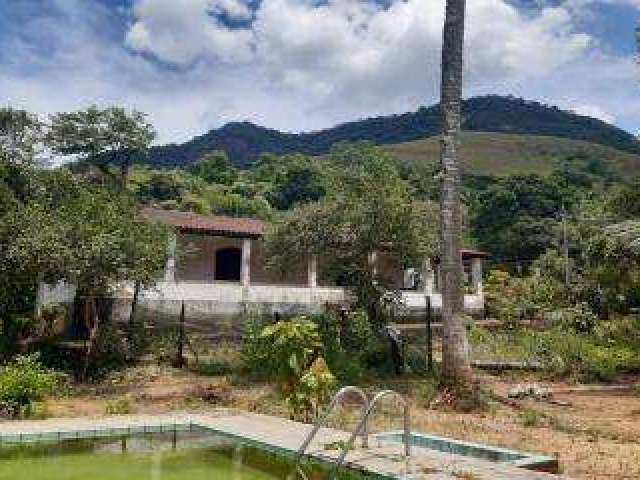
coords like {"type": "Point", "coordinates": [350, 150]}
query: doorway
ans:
{"type": "Point", "coordinates": [227, 267]}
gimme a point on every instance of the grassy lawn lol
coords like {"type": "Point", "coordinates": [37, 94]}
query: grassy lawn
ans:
{"type": "Point", "coordinates": [510, 154]}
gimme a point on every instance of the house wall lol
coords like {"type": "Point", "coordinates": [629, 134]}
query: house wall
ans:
{"type": "Point", "coordinates": [196, 256]}
{"type": "Point", "coordinates": [218, 308]}
{"type": "Point", "coordinates": [196, 261]}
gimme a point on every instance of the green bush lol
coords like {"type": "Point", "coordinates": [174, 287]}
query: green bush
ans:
{"type": "Point", "coordinates": [531, 418]}
{"type": "Point", "coordinates": [612, 348]}
{"type": "Point", "coordinates": [119, 406]}
{"type": "Point", "coordinates": [313, 389]}
{"type": "Point", "coordinates": [165, 346]}
{"type": "Point", "coordinates": [345, 345]}
{"type": "Point", "coordinates": [23, 382]}
{"type": "Point", "coordinates": [579, 318]}
{"type": "Point", "coordinates": [282, 351]}
{"type": "Point", "coordinates": [289, 353]}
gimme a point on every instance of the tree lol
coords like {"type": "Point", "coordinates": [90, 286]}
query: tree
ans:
{"type": "Point", "coordinates": [20, 136]}
{"type": "Point", "coordinates": [367, 208]}
{"type": "Point", "coordinates": [102, 136]}
{"type": "Point", "coordinates": [215, 167]}
{"type": "Point", "coordinates": [455, 349]}
{"type": "Point", "coordinates": [60, 227]}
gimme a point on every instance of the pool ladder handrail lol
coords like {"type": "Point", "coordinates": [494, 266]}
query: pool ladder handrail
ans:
{"type": "Point", "coordinates": [334, 403]}
{"type": "Point", "coordinates": [362, 425]}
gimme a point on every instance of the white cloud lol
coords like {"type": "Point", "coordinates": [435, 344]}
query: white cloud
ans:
{"type": "Point", "coordinates": [182, 31]}
{"type": "Point", "coordinates": [298, 65]}
{"type": "Point", "coordinates": [594, 111]}
{"type": "Point", "coordinates": [356, 50]}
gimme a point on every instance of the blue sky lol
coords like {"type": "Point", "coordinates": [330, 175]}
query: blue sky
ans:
{"type": "Point", "coordinates": [306, 64]}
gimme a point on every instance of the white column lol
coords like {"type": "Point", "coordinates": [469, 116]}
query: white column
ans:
{"type": "Point", "coordinates": [428, 276]}
{"type": "Point", "coordinates": [476, 275]}
{"type": "Point", "coordinates": [170, 268]}
{"type": "Point", "coordinates": [312, 272]}
{"type": "Point", "coordinates": [245, 266]}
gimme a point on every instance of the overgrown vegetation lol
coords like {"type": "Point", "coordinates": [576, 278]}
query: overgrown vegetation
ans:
{"type": "Point", "coordinates": [23, 382]}
{"type": "Point", "coordinates": [290, 353]}
{"type": "Point", "coordinates": [613, 347]}
{"type": "Point", "coordinates": [564, 277]}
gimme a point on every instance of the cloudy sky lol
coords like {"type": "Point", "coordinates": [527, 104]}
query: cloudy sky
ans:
{"type": "Point", "coordinates": [306, 64]}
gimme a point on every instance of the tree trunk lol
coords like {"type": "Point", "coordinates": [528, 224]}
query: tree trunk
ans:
{"type": "Point", "coordinates": [455, 350]}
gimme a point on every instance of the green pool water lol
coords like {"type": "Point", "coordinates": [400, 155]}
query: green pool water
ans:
{"type": "Point", "coordinates": [158, 456]}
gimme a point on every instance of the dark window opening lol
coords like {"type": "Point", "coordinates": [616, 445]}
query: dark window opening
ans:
{"type": "Point", "coordinates": [228, 264]}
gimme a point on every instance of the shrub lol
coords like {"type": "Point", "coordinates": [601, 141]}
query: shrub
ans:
{"type": "Point", "coordinates": [345, 346]}
{"type": "Point", "coordinates": [582, 356]}
{"type": "Point", "coordinates": [579, 318]}
{"type": "Point", "coordinates": [119, 406]}
{"type": "Point", "coordinates": [282, 351]}
{"type": "Point", "coordinates": [312, 390]}
{"type": "Point", "coordinates": [165, 346]}
{"type": "Point", "coordinates": [612, 348]}
{"type": "Point", "coordinates": [22, 382]}
{"type": "Point", "coordinates": [512, 298]}
{"type": "Point", "coordinates": [289, 352]}
{"type": "Point", "coordinates": [531, 418]}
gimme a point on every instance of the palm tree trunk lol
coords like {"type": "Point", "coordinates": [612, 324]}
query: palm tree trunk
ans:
{"type": "Point", "coordinates": [455, 348]}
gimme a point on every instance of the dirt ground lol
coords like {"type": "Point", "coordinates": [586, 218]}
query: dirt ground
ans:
{"type": "Point", "coordinates": [595, 434]}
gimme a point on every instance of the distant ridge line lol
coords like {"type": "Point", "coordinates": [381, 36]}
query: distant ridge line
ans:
{"type": "Point", "coordinates": [244, 141]}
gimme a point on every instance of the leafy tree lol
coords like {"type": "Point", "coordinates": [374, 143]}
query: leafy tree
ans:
{"type": "Point", "coordinates": [160, 186]}
{"type": "Point", "coordinates": [624, 202]}
{"type": "Point", "coordinates": [215, 167]}
{"type": "Point", "coordinates": [515, 218]}
{"type": "Point", "coordinates": [455, 349]}
{"type": "Point", "coordinates": [223, 202]}
{"type": "Point", "coordinates": [62, 228]}
{"type": "Point", "coordinates": [20, 136]}
{"type": "Point", "coordinates": [102, 136]}
{"type": "Point", "coordinates": [367, 208]}
{"type": "Point", "coordinates": [288, 180]}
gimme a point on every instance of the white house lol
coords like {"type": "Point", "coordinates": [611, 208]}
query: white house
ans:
{"type": "Point", "coordinates": [223, 275]}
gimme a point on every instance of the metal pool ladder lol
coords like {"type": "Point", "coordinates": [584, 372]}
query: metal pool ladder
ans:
{"type": "Point", "coordinates": [361, 428]}
{"type": "Point", "coordinates": [362, 425]}
{"type": "Point", "coordinates": [322, 420]}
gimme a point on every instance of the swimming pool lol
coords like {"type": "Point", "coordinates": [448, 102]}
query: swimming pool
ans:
{"type": "Point", "coordinates": [178, 454]}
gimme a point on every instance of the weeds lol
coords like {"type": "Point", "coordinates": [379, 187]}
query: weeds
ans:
{"type": "Point", "coordinates": [119, 406]}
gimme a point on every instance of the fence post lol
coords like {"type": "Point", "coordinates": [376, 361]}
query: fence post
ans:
{"type": "Point", "coordinates": [180, 359]}
{"type": "Point", "coordinates": [429, 333]}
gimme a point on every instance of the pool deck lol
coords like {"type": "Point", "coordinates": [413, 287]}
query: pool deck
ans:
{"type": "Point", "coordinates": [386, 460]}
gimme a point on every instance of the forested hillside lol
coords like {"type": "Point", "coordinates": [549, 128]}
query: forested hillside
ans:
{"type": "Point", "coordinates": [244, 142]}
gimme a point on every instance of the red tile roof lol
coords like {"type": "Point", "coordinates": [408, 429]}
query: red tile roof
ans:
{"type": "Point", "coordinates": [231, 226]}
{"type": "Point", "coordinates": [211, 224]}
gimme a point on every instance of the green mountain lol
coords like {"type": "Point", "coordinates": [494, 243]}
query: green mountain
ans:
{"type": "Point", "coordinates": [244, 142]}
